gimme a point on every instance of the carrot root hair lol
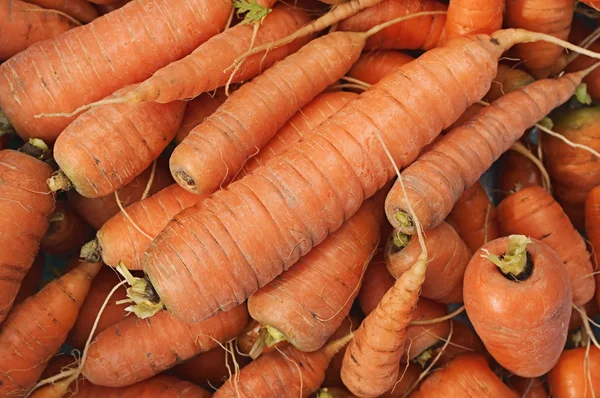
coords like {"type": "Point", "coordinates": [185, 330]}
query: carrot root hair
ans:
{"type": "Point", "coordinates": [91, 251]}
{"type": "Point", "coordinates": [59, 182]}
{"type": "Point", "coordinates": [140, 292]}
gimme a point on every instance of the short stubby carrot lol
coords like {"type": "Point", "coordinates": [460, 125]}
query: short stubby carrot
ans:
{"type": "Point", "coordinates": [308, 303]}
{"type": "Point", "coordinates": [67, 232]}
{"type": "Point", "coordinates": [423, 33]}
{"type": "Point", "coordinates": [199, 109]}
{"type": "Point", "coordinates": [458, 160]}
{"type": "Point", "coordinates": [89, 62]}
{"type": "Point", "coordinates": [26, 205]}
{"type": "Point", "coordinates": [376, 282]}
{"type": "Point", "coordinates": [107, 147]}
{"type": "Point", "coordinates": [502, 276]}
{"type": "Point", "coordinates": [136, 349]}
{"type": "Point", "coordinates": [448, 259]}
{"type": "Point", "coordinates": [468, 17]}
{"type": "Point", "coordinates": [24, 24]}
{"type": "Point", "coordinates": [81, 10]}
{"type": "Point", "coordinates": [36, 329]}
{"type": "Point", "coordinates": [570, 377]}
{"type": "Point", "coordinates": [534, 213]}
{"type": "Point", "coordinates": [374, 65]}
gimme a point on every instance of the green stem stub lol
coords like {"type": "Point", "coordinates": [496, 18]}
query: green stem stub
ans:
{"type": "Point", "coordinates": [324, 393]}
{"type": "Point", "coordinates": [140, 292]}
{"type": "Point", "coordinates": [582, 95]}
{"type": "Point", "coordinates": [516, 263]}
{"type": "Point", "coordinates": [424, 357]}
{"type": "Point", "coordinates": [268, 336]}
{"type": "Point", "coordinates": [404, 220]}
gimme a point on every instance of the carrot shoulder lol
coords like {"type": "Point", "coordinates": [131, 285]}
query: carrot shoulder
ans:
{"type": "Point", "coordinates": [468, 17]}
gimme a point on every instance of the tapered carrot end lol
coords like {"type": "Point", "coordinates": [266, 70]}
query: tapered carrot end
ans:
{"type": "Point", "coordinates": [59, 182]}
{"type": "Point", "coordinates": [336, 345]}
{"type": "Point", "coordinates": [91, 251]}
{"type": "Point", "coordinates": [55, 390]}
{"type": "Point", "coordinates": [90, 268]}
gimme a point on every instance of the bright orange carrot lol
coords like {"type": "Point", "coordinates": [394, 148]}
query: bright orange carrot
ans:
{"type": "Point", "coordinates": [24, 24]}
{"type": "Point", "coordinates": [424, 33]}
{"type": "Point", "coordinates": [306, 304]}
{"type": "Point", "coordinates": [449, 257]}
{"type": "Point", "coordinates": [551, 17]}
{"type": "Point", "coordinates": [199, 109]}
{"type": "Point", "coordinates": [96, 211]}
{"type": "Point", "coordinates": [37, 327]}
{"type": "Point", "coordinates": [468, 17]}
{"type": "Point", "coordinates": [81, 10]}
{"type": "Point", "coordinates": [25, 205]}
{"type": "Point", "coordinates": [67, 231]}
{"type": "Point", "coordinates": [102, 58]}
{"type": "Point", "coordinates": [32, 280]}
{"type": "Point", "coordinates": [570, 377]}
{"type": "Point", "coordinates": [533, 212]}
{"type": "Point", "coordinates": [371, 67]}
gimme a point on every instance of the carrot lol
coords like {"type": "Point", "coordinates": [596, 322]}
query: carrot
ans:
{"type": "Point", "coordinates": [377, 281]}
{"type": "Point", "coordinates": [24, 24]}
{"type": "Point", "coordinates": [81, 10]}
{"type": "Point", "coordinates": [420, 338]}
{"type": "Point", "coordinates": [466, 376]}
{"type": "Point", "coordinates": [463, 341]}
{"type": "Point", "coordinates": [349, 324]}
{"type": "Point", "coordinates": [592, 81]}
{"type": "Point", "coordinates": [592, 222]}
{"type": "Point", "coordinates": [259, 226]}
{"type": "Point", "coordinates": [36, 328]}
{"type": "Point", "coordinates": [299, 125]}
{"type": "Point", "coordinates": [26, 205]}
{"type": "Point", "coordinates": [533, 212]}
{"type": "Point", "coordinates": [507, 80]}
{"type": "Point", "coordinates": [516, 172]}
{"type": "Point", "coordinates": [569, 378]}
{"type": "Point", "coordinates": [197, 110]}
{"type": "Point", "coordinates": [133, 349]}
{"type": "Point", "coordinates": [526, 339]}
{"type": "Point", "coordinates": [420, 33]}
{"type": "Point", "coordinates": [32, 280]}
{"type": "Point", "coordinates": [462, 156]}
{"type": "Point", "coordinates": [286, 372]}
{"type": "Point", "coordinates": [96, 211]}
{"type": "Point", "coordinates": [591, 309]}
{"type": "Point", "coordinates": [106, 8]}
{"type": "Point", "coordinates": [449, 257]}
{"type": "Point", "coordinates": [467, 17]}
{"type": "Point", "coordinates": [571, 200]}
{"type": "Point", "coordinates": [101, 59]}
{"type": "Point", "coordinates": [67, 231]}
{"type": "Point", "coordinates": [306, 304]}
{"type": "Point", "coordinates": [551, 17]}
{"type": "Point", "coordinates": [248, 337]}
{"type": "Point", "coordinates": [529, 388]}
{"type": "Point", "coordinates": [373, 66]}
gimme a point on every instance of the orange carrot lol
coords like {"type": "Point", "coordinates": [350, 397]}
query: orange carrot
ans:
{"type": "Point", "coordinates": [377, 281]}
{"type": "Point", "coordinates": [516, 172]}
{"type": "Point", "coordinates": [349, 324]}
{"type": "Point", "coordinates": [592, 229]}
{"type": "Point", "coordinates": [462, 156]}
{"type": "Point", "coordinates": [466, 376]}
{"type": "Point", "coordinates": [507, 80]}
{"type": "Point", "coordinates": [37, 327]}
{"type": "Point", "coordinates": [81, 10]}
{"type": "Point", "coordinates": [31, 281]}
{"type": "Point", "coordinates": [248, 337]}
{"type": "Point", "coordinates": [102, 58]}
{"type": "Point", "coordinates": [133, 349]}
{"type": "Point", "coordinates": [571, 200]}
{"type": "Point", "coordinates": [517, 299]}
{"type": "Point", "coordinates": [24, 24]}
{"type": "Point", "coordinates": [552, 17]}
{"type": "Point", "coordinates": [463, 341]}
{"type": "Point", "coordinates": [306, 304]}
{"type": "Point", "coordinates": [106, 8]}
{"type": "Point", "coordinates": [449, 257]}
{"type": "Point", "coordinates": [96, 211]}
{"type": "Point", "coordinates": [424, 33]}
{"type": "Point", "coordinates": [468, 17]}
{"type": "Point", "coordinates": [529, 388]}
{"type": "Point", "coordinates": [533, 212]}
{"type": "Point", "coordinates": [25, 205]}
{"type": "Point", "coordinates": [199, 109]}
{"type": "Point", "coordinates": [576, 322]}
{"type": "Point", "coordinates": [579, 32]}
{"type": "Point", "coordinates": [420, 338]}
{"type": "Point", "coordinates": [373, 66]}
{"type": "Point", "coordinates": [570, 378]}
{"type": "Point", "coordinates": [67, 231]}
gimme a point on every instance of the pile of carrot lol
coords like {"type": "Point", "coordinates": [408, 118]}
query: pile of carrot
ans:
{"type": "Point", "coordinates": [313, 198]}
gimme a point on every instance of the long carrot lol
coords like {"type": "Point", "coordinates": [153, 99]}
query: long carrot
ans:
{"type": "Point", "coordinates": [24, 24]}
{"type": "Point", "coordinates": [502, 276]}
{"type": "Point", "coordinates": [449, 257]}
{"type": "Point", "coordinates": [460, 158]}
{"type": "Point", "coordinates": [37, 327]}
{"type": "Point", "coordinates": [468, 17]}
{"type": "Point", "coordinates": [103, 57]}
{"type": "Point", "coordinates": [371, 67]}
{"type": "Point", "coordinates": [81, 10]}
{"type": "Point", "coordinates": [533, 212]}
{"type": "Point", "coordinates": [259, 226]}
{"type": "Point", "coordinates": [306, 304]}
{"type": "Point", "coordinates": [199, 109]}
{"type": "Point", "coordinates": [67, 231]}
{"type": "Point", "coordinates": [420, 33]}
{"type": "Point", "coordinates": [25, 205]}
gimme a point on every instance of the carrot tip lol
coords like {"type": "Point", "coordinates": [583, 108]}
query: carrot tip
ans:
{"type": "Point", "coordinates": [141, 293]}
{"type": "Point", "coordinates": [59, 182]}
{"type": "Point", "coordinates": [91, 251]}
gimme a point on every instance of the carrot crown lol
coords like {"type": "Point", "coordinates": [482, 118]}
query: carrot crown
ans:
{"type": "Point", "coordinates": [514, 261]}
{"type": "Point", "coordinates": [145, 300]}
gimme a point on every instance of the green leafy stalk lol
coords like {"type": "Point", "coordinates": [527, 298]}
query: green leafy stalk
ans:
{"type": "Point", "coordinates": [255, 13]}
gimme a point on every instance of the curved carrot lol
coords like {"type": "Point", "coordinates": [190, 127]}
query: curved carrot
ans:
{"type": "Point", "coordinates": [32, 280]}
{"type": "Point", "coordinates": [377, 281]}
{"type": "Point", "coordinates": [81, 10]}
{"type": "Point", "coordinates": [102, 58]}
{"type": "Point", "coordinates": [462, 156]}
{"type": "Point", "coordinates": [136, 349]}
{"type": "Point", "coordinates": [373, 66]}
{"type": "Point", "coordinates": [551, 17]}
{"type": "Point", "coordinates": [199, 109]}
{"type": "Point", "coordinates": [25, 205]}
{"type": "Point", "coordinates": [449, 257]}
{"type": "Point", "coordinates": [67, 231]}
{"type": "Point", "coordinates": [36, 328]}
{"type": "Point", "coordinates": [502, 276]}
{"type": "Point", "coordinates": [309, 302]}
{"type": "Point", "coordinates": [96, 211]}
{"type": "Point", "coordinates": [569, 378]}
{"type": "Point", "coordinates": [529, 387]}
{"type": "Point", "coordinates": [423, 33]}
{"type": "Point", "coordinates": [467, 375]}
{"type": "Point", "coordinates": [507, 80]}
{"type": "Point", "coordinates": [24, 24]}
{"type": "Point", "coordinates": [516, 172]}
{"type": "Point", "coordinates": [468, 17]}
{"type": "Point", "coordinates": [533, 212]}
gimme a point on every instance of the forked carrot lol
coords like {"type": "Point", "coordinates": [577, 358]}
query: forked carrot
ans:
{"type": "Point", "coordinates": [81, 10]}
{"type": "Point", "coordinates": [468, 17]}
{"type": "Point", "coordinates": [371, 67]}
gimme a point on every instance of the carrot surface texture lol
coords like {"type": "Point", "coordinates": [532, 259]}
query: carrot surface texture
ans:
{"type": "Point", "coordinates": [462, 156]}
{"type": "Point", "coordinates": [199, 109]}
{"type": "Point", "coordinates": [570, 377]}
{"type": "Point", "coordinates": [516, 172]}
{"type": "Point", "coordinates": [36, 328]}
{"type": "Point", "coordinates": [81, 10]}
{"type": "Point", "coordinates": [26, 205]}
{"type": "Point", "coordinates": [89, 62]}
{"type": "Point", "coordinates": [306, 304]}
{"type": "Point", "coordinates": [468, 17]}
{"type": "Point", "coordinates": [372, 66]}
{"type": "Point", "coordinates": [259, 226]}
{"type": "Point", "coordinates": [376, 282]}
{"type": "Point", "coordinates": [24, 24]}
{"type": "Point", "coordinates": [517, 299]}
{"type": "Point", "coordinates": [533, 212]}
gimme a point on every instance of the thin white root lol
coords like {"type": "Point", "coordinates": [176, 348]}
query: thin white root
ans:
{"type": "Point", "coordinates": [567, 141]}
{"type": "Point", "coordinates": [522, 150]}
{"type": "Point", "coordinates": [440, 319]}
{"type": "Point", "coordinates": [150, 181]}
{"type": "Point", "coordinates": [128, 217]}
